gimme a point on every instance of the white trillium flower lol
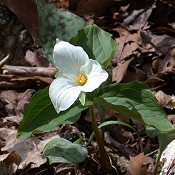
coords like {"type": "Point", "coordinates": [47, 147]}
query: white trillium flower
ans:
{"type": "Point", "coordinates": [79, 74]}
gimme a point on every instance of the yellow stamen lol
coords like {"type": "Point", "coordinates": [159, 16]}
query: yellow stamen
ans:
{"type": "Point", "coordinates": [81, 79]}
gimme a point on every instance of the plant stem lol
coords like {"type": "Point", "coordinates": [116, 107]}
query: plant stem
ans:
{"type": "Point", "coordinates": [157, 162]}
{"type": "Point", "coordinates": [100, 141]}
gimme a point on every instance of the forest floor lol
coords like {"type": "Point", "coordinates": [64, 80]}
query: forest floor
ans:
{"type": "Point", "coordinates": [145, 34]}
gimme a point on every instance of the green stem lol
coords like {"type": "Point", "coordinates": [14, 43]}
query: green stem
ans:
{"type": "Point", "coordinates": [100, 141]}
{"type": "Point", "coordinates": [157, 162]}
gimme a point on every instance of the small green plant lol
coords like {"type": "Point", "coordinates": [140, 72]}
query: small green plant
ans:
{"type": "Point", "coordinates": [82, 83]}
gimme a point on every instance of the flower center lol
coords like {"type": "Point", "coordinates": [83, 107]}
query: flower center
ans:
{"type": "Point", "coordinates": [81, 79]}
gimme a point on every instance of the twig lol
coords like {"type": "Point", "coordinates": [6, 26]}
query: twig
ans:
{"type": "Point", "coordinates": [29, 71]}
{"type": "Point", "coordinates": [125, 151]}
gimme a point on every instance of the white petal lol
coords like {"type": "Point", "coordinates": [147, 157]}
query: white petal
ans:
{"type": "Point", "coordinates": [95, 75]}
{"type": "Point", "coordinates": [68, 58]}
{"type": "Point", "coordinates": [63, 92]}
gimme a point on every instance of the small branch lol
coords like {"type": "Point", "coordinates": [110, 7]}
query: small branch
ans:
{"type": "Point", "coordinates": [123, 150]}
{"type": "Point", "coordinates": [29, 71]}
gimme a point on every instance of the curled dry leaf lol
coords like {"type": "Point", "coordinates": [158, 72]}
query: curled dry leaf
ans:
{"type": "Point", "coordinates": [167, 101]}
{"type": "Point", "coordinates": [129, 44]}
{"type": "Point", "coordinates": [164, 45]}
{"type": "Point", "coordinates": [138, 165]}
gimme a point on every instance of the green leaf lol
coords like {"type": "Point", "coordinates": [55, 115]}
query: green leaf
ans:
{"type": "Point", "coordinates": [135, 100]}
{"type": "Point", "coordinates": [61, 150]}
{"type": "Point", "coordinates": [82, 98]}
{"type": "Point", "coordinates": [40, 115]}
{"type": "Point", "coordinates": [56, 23]}
{"type": "Point", "coordinates": [97, 43]}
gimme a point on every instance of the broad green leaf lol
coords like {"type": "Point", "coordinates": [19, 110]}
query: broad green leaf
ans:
{"type": "Point", "coordinates": [61, 150]}
{"type": "Point", "coordinates": [40, 115]}
{"type": "Point", "coordinates": [56, 23]}
{"type": "Point", "coordinates": [134, 100]}
{"type": "Point", "coordinates": [97, 43]}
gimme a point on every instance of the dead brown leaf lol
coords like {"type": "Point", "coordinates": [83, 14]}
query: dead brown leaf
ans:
{"type": "Point", "coordinates": [15, 102]}
{"type": "Point", "coordinates": [140, 13]}
{"type": "Point", "coordinates": [162, 43]}
{"type": "Point", "coordinates": [171, 117]}
{"type": "Point", "coordinates": [29, 149]}
{"type": "Point", "coordinates": [37, 58]}
{"type": "Point", "coordinates": [9, 163]}
{"type": "Point", "coordinates": [91, 7]}
{"type": "Point", "coordinates": [167, 64]}
{"type": "Point", "coordinates": [167, 101]}
{"type": "Point", "coordinates": [138, 165]}
{"type": "Point", "coordinates": [127, 51]}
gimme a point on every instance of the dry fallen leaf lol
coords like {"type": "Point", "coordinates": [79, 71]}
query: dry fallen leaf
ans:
{"type": "Point", "coordinates": [127, 51]}
{"type": "Point", "coordinates": [9, 163]}
{"type": "Point", "coordinates": [167, 101]}
{"type": "Point", "coordinates": [140, 13]}
{"type": "Point", "coordinates": [163, 43]}
{"type": "Point", "coordinates": [171, 118]}
{"type": "Point", "coordinates": [138, 165]}
{"type": "Point", "coordinates": [29, 149]}
{"type": "Point", "coordinates": [167, 64]}
{"type": "Point", "coordinates": [91, 7]}
{"type": "Point", "coordinates": [16, 102]}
